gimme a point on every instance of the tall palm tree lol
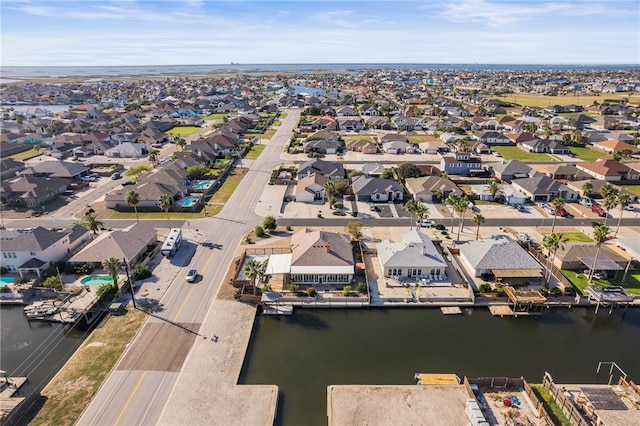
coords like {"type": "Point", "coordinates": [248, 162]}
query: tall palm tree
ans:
{"type": "Point", "coordinates": [623, 201]}
{"type": "Point", "coordinates": [412, 207]}
{"type": "Point", "coordinates": [330, 189]}
{"type": "Point", "coordinates": [586, 187]}
{"type": "Point", "coordinates": [153, 156]}
{"type": "Point", "coordinates": [133, 198]}
{"type": "Point", "coordinates": [165, 202]}
{"type": "Point", "coordinates": [460, 207]}
{"type": "Point", "coordinates": [600, 235]}
{"type": "Point", "coordinates": [608, 190]}
{"type": "Point", "coordinates": [478, 219]}
{"type": "Point", "coordinates": [252, 270]}
{"type": "Point", "coordinates": [92, 222]}
{"type": "Point", "coordinates": [422, 211]}
{"type": "Point", "coordinates": [557, 203]}
{"type": "Point", "coordinates": [552, 243]}
{"type": "Point", "coordinates": [112, 265]}
{"type": "Point", "coordinates": [452, 199]}
{"type": "Point", "coordinates": [495, 188]}
{"type": "Point", "coordinates": [609, 203]}
{"type": "Point", "coordinates": [181, 142]}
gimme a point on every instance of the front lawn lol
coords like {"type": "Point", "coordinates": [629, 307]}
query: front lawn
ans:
{"type": "Point", "coordinates": [23, 156]}
{"type": "Point", "coordinates": [418, 139]}
{"type": "Point", "coordinates": [355, 138]}
{"type": "Point", "coordinates": [215, 117]}
{"type": "Point", "coordinates": [573, 237]}
{"type": "Point", "coordinates": [634, 189]}
{"type": "Point", "coordinates": [588, 154]}
{"type": "Point", "coordinates": [183, 131]}
{"type": "Point", "coordinates": [266, 135]}
{"type": "Point", "coordinates": [581, 282]}
{"type": "Point", "coordinates": [255, 151]}
{"type": "Point", "coordinates": [515, 153]}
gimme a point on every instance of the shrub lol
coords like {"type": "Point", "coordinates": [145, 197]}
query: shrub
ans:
{"type": "Point", "coordinates": [21, 280]}
{"type": "Point", "coordinates": [311, 292]}
{"type": "Point", "coordinates": [85, 268]}
{"type": "Point", "coordinates": [440, 227]}
{"type": "Point", "coordinates": [237, 295]}
{"type": "Point", "coordinates": [269, 223]}
{"type": "Point", "coordinates": [346, 290]}
{"type": "Point", "coordinates": [339, 213]}
{"type": "Point", "coordinates": [259, 231]}
{"type": "Point", "coordinates": [106, 290]}
{"type": "Point", "coordinates": [53, 282]}
{"type": "Point", "coordinates": [338, 205]}
{"type": "Point", "coordinates": [289, 228]}
{"type": "Point", "coordinates": [361, 287]}
{"type": "Point", "coordinates": [555, 291]}
{"type": "Point", "coordinates": [485, 288]}
{"type": "Point", "coordinates": [293, 287]}
{"type": "Point", "coordinates": [266, 288]}
{"type": "Point", "coordinates": [141, 272]}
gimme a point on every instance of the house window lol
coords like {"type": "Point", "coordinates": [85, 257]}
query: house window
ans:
{"type": "Point", "coordinates": [4, 254]}
{"type": "Point", "coordinates": [419, 271]}
{"type": "Point", "coordinates": [391, 272]}
{"type": "Point", "coordinates": [32, 253]}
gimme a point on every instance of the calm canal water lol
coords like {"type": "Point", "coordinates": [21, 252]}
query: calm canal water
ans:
{"type": "Point", "coordinates": [305, 353]}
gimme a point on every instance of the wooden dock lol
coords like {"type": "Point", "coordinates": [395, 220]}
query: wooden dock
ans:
{"type": "Point", "coordinates": [9, 395]}
{"type": "Point", "coordinates": [451, 310]}
{"type": "Point", "coordinates": [280, 309]}
{"type": "Point", "coordinates": [506, 311]}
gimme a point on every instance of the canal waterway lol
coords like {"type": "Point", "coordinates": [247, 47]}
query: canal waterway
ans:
{"type": "Point", "coordinates": [312, 349]}
{"type": "Point", "coordinates": [37, 350]}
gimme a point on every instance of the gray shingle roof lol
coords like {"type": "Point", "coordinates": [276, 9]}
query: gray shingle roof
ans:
{"type": "Point", "coordinates": [497, 252]}
{"type": "Point", "coordinates": [32, 239]}
{"type": "Point", "coordinates": [415, 250]}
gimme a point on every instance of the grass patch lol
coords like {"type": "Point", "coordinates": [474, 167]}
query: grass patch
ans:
{"type": "Point", "coordinates": [581, 282]}
{"type": "Point", "coordinates": [219, 199]}
{"type": "Point", "coordinates": [26, 155]}
{"type": "Point", "coordinates": [543, 101]}
{"type": "Point", "coordinates": [283, 116]}
{"type": "Point", "coordinates": [215, 117]}
{"type": "Point", "coordinates": [183, 131]}
{"type": "Point", "coordinates": [255, 151]}
{"type": "Point", "coordinates": [355, 138]}
{"type": "Point", "coordinates": [72, 389]}
{"type": "Point", "coordinates": [418, 139]}
{"type": "Point", "coordinates": [266, 135]}
{"type": "Point", "coordinates": [588, 154]}
{"type": "Point", "coordinates": [515, 153]}
{"type": "Point", "coordinates": [550, 405]}
{"type": "Point", "coordinates": [574, 237]}
{"type": "Point", "coordinates": [634, 189]}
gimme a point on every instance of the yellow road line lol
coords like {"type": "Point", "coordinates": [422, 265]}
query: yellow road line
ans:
{"type": "Point", "coordinates": [133, 393]}
{"type": "Point", "coordinates": [193, 287]}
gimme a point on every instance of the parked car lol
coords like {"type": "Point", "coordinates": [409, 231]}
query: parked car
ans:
{"type": "Point", "coordinates": [563, 213]}
{"type": "Point", "coordinates": [128, 182]}
{"type": "Point", "coordinates": [372, 207]}
{"type": "Point", "coordinates": [629, 207]}
{"type": "Point", "coordinates": [425, 223]}
{"type": "Point", "coordinates": [192, 275]}
{"type": "Point", "coordinates": [585, 201]}
{"type": "Point", "coordinates": [496, 154]}
{"type": "Point", "coordinates": [116, 176]}
{"type": "Point", "coordinates": [599, 210]}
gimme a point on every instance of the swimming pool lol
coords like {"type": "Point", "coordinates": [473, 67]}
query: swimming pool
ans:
{"type": "Point", "coordinates": [201, 184]}
{"type": "Point", "coordinates": [189, 201]}
{"type": "Point", "coordinates": [6, 281]}
{"type": "Point", "coordinates": [96, 280]}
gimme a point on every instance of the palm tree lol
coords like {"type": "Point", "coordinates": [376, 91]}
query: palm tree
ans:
{"type": "Point", "coordinates": [600, 235]}
{"type": "Point", "coordinates": [112, 265]}
{"type": "Point", "coordinates": [557, 203]}
{"type": "Point", "coordinates": [552, 243]}
{"type": "Point", "coordinates": [610, 202]}
{"type": "Point", "coordinates": [495, 188]}
{"type": "Point", "coordinates": [445, 176]}
{"type": "Point", "coordinates": [460, 207]}
{"type": "Point", "coordinates": [452, 199]}
{"type": "Point", "coordinates": [153, 156]}
{"type": "Point", "coordinates": [92, 222]}
{"type": "Point", "coordinates": [587, 187]}
{"type": "Point", "coordinates": [623, 201]}
{"type": "Point", "coordinates": [181, 142]}
{"type": "Point", "coordinates": [478, 219]}
{"type": "Point", "coordinates": [412, 207]}
{"type": "Point", "coordinates": [165, 202]}
{"type": "Point", "coordinates": [133, 198]}
{"type": "Point", "coordinates": [252, 270]}
{"type": "Point", "coordinates": [330, 189]}
{"type": "Point", "coordinates": [607, 190]}
{"type": "Point", "coordinates": [422, 211]}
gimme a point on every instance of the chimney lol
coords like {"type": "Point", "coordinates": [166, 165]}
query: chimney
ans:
{"type": "Point", "coordinates": [328, 246]}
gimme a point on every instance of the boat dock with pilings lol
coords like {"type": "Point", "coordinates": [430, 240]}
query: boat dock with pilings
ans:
{"type": "Point", "coordinates": [610, 297]}
{"type": "Point", "coordinates": [70, 310]}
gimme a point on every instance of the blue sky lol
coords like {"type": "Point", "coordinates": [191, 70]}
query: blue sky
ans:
{"type": "Point", "coordinates": [133, 32]}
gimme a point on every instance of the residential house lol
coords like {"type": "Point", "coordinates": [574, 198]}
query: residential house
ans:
{"type": "Point", "coordinates": [608, 170]}
{"type": "Point", "coordinates": [562, 171]}
{"type": "Point", "coordinates": [403, 123]}
{"type": "Point", "coordinates": [368, 188]}
{"type": "Point", "coordinates": [493, 138]}
{"type": "Point", "coordinates": [33, 250]}
{"type": "Point", "coordinates": [310, 189]}
{"type": "Point", "coordinates": [362, 145]}
{"type": "Point", "coordinates": [510, 195]}
{"type": "Point", "coordinates": [31, 191]}
{"type": "Point", "coordinates": [393, 137]}
{"type": "Point", "coordinates": [10, 168]}
{"type": "Point", "coordinates": [52, 168]}
{"type": "Point", "coordinates": [460, 163]}
{"type": "Point", "coordinates": [324, 146]}
{"type": "Point", "coordinates": [511, 169]}
{"type": "Point", "coordinates": [580, 256]}
{"type": "Point", "coordinates": [131, 244]}
{"type": "Point", "coordinates": [500, 256]}
{"type": "Point", "coordinates": [479, 148]}
{"type": "Point", "coordinates": [413, 258]}
{"type": "Point", "coordinates": [316, 258]}
{"type": "Point", "coordinates": [331, 170]}
{"type": "Point", "coordinates": [543, 188]}
{"type": "Point", "coordinates": [325, 122]}
{"type": "Point", "coordinates": [596, 186]}
{"type": "Point", "coordinates": [128, 150]}
{"type": "Point", "coordinates": [350, 124]}
{"type": "Point", "coordinates": [612, 145]}
{"type": "Point", "coordinates": [397, 147]}
{"type": "Point", "coordinates": [433, 147]}
{"type": "Point", "coordinates": [367, 110]}
{"type": "Point", "coordinates": [424, 188]}
{"type": "Point", "coordinates": [543, 145]}
{"type": "Point", "coordinates": [346, 111]}
{"type": "Point", "coordinates": [519, 137]}
{"type": "Point", "coordinates": [373, 169]}
{"type": "Point", "coordinates": [378, 123]}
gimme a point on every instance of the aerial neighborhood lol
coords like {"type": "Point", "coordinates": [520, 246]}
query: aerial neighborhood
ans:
{"type": "Point", "coordinates": [511, 191]}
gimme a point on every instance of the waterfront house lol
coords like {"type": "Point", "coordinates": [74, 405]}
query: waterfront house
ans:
{"type": "Point", "coordinates": [414, 258]}
{"type": "Point", "coordinates": [500, 256]}
{"type": "Point", "coordinates": [424, 188]}
{"type": "Point", "coordinates": [368, 188]}
{"type": "Point", "coordinates": [31, 251]}
{"type": "Point", "coordinates": [130, 243]}
{"type": "Point", "coordinates": [580, 257]}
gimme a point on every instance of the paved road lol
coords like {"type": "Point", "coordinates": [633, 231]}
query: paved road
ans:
{"type": "Point", "coordinates": [142, 382]}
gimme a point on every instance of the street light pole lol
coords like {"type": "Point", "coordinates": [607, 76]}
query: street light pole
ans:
{"type": "Point", "coordinates": [133, 296]}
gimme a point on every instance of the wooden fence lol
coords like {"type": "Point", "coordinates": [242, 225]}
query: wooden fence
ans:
{"type": "Point", "coordinates": [569, 408]}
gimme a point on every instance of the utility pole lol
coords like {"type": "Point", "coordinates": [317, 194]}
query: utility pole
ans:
{"type": "Point", "coordinates": [133, 296]}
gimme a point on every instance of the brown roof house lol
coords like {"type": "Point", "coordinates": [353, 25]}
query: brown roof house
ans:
{"type": "Point", "coordinates": [609, 170]}
{"type": "Point", "coordinates": [317, 257]}
{"type": "Point", "coordinates": [423, 188]}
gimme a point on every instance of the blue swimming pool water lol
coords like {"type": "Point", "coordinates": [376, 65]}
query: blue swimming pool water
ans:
{"type": "Point", "coordinates": [6, 281]}
{"type": "Point", "coordinates": [189, 201]}
{"type": "Point", "coordinates": [96, 280]}
{"type": "Point", "coordinates": [203, 184]}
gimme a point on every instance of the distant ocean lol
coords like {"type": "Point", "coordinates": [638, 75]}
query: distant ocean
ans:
{"type": "Point", "coordinates": [8, 73]}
